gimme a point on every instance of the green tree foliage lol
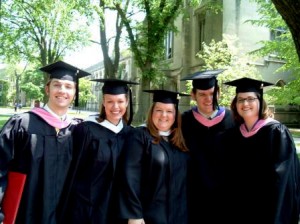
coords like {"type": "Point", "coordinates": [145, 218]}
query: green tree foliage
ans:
{"type": "Point", "coordinates": [85, 92]}
{"type": "Point", "coordinates": [282, 48]}
{"type": "Point", "coordinates": [111, 57]}
{"type": "Point", "coordinates": [41, 31]}
{"type": "Point", "coordinates": [32, 91]}
{"type": "Point", "coordinates": [224, 55]}
{"type": "Point", "coordinates": [4, 88]}
{"type": "Point", "coordinates": [14, 73]}
{"type": "Point", "coordinates": [289, 10]}
{"type": "Point", "coordinates": [32, 85]}
{"type": "Point", "coordinates": [286, 95]}
{"type": "Point", "coordinates": [147, 23]}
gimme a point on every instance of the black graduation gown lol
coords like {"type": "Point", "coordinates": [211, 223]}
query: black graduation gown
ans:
{"type": "Point", "coordinates": [31, 146]}
{"type": "Point", "coordinates": [154, 180]}
{"type": "Point", "coordinates": [90, 183]}
{"type": "Point", "coordinates": [205, 174]}
{"type": "Point", "coordinates": [262, 177]}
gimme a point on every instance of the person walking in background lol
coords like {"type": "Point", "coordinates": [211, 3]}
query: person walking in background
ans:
{"type": "Point", "coordinates": [16, 106]}
{"type": "Point", "coordinates": [90, 195]}
{"type": "Point", "coordinates": [153, 185]}
{"type": "Point", "coordinates": [38, 145]}
{"type": "Point", "coordinates": [262, 172]}
{"type": "Point", "coordinates": [201, 126]}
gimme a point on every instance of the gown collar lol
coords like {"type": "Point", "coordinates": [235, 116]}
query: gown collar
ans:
{"type": "Point", "coordinates": [259, 124]}
{"type": "Point", "coordinates": [49, 118]}
{"type": "Point", "coordinates": [114, 128]}
{"type": "Point", "coordinates": [209, 122]}
{"type": "Point", "coordinates": [62, 118]}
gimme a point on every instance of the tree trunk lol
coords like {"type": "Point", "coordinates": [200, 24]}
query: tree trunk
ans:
{"type": "Point", "coordinates": [290, 12]}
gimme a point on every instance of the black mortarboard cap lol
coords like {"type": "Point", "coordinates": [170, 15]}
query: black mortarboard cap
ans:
{"type": "Point", "coordinates": [250, 85]}
{"type": "Point", "coordinates": [118, 86]}
{"type": "Point", "coordinates": [64, 71]}
{"type": "Point", "coordinates": [165, 96]}
{"type": "Point", "coordinates": [205, 80]}
{"type": "Point", "coordinates": [115, 86]}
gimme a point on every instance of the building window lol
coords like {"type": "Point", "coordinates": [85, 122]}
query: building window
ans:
{"type": "Point", "coordinates": [169, 45]}
{"type": "Point", "coordinates": [200, 34]}
{"type": "Point", "coordinates": [276, 34]}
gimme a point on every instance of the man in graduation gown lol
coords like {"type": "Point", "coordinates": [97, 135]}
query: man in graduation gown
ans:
{"type": "Point", "coordinates": [201, 126]}
{"type": "Point", "coordinates": [38, 144]}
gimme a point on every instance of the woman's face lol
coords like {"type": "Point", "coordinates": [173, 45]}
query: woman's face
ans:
{"type": "Point", "coordinates": [247, 105]}
{"type": "Point", "coordinates": [163, 116]}
{"type": "Point", "coordinates": [115, 107]}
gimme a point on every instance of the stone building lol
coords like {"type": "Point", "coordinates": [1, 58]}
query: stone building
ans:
{"type": "Point", "coordinates": [203, 26]}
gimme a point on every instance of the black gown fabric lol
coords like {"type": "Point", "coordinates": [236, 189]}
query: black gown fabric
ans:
{"type": "Point", "coordinates": [206, 173]}
{"type": "Point", "coordinates": [31, 146]}
{"type": "Point", "coordinates": [153, 185]}
{"type": "Point", "coordinates": [91, 187]}
{"type": "Point", "coordinates": [262, 176]}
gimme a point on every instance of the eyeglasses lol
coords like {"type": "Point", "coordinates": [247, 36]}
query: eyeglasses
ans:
{"type": "Point", "coordinates": [248, 100]}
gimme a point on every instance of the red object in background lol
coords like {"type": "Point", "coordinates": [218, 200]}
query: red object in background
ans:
{"type": "Point", "coordinates": [12, 196]}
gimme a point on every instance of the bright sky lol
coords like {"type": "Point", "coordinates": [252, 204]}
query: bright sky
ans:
{"type": "Point", "coordinates": [92, 54]}
{"type": "Point", "coordinates": [84, 58]}
{"type": "Point", "coordinates": [87, 56]}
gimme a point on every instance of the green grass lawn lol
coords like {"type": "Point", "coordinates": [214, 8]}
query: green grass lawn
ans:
{"type": "Point", "coordinates": [295, 133]}
{"type": "Point", "coordinates": [3, 119]}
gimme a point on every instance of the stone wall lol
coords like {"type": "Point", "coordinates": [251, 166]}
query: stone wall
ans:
{"type": "Point", "coordinates": [288, 115]}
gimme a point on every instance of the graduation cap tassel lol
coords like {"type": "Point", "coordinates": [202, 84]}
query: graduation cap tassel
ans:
{"type": "Point", "coordinates": [130, 108]}
{"type": "Point", "coordinates": [176, 114]}
{"type": "Point", "coordinates": [77, 89]}
{"type": "Point", "coordinates": [215, 101]}
{"type": "Point", "coordinates": [261, 100]}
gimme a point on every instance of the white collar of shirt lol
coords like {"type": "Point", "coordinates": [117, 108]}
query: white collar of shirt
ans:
{"type": "Point", "coordinates": [164, 133]}
{"type": "Point", "coordinates": [114, 128]}
{"type": "Point", "coordinates": [209, 116]}
{"type": "Point", "coordinates": [62, 118]}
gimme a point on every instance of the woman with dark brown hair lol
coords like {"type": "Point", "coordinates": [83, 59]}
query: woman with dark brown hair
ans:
{"type": "Point", "coordinates": [262, 172]}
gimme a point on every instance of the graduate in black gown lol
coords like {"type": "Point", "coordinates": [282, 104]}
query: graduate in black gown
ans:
{"type": "Point", "coordinates": [98, 141]}
{"type": "Point", "coordinates": [38, 144]}
{"type": "Point", "coordinates": [262, 182]}
{"type": "Point", "coordinates": [154, 166]}
{"type": "Point", "coordinates": [201, 126]}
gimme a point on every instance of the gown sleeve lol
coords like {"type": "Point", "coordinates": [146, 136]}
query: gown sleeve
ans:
{"type": "Point", "coordinates": [287, 185]}
{"type": "Point", "coordinates": [131, 168]}
{"type": "Point", "coordinates": [7, 144]}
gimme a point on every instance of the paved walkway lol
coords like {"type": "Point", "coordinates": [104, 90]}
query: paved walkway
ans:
{"type": "Point", "coordinates": [297, 142]}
